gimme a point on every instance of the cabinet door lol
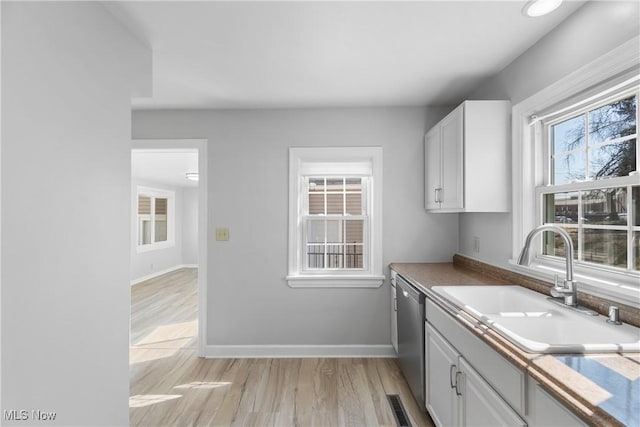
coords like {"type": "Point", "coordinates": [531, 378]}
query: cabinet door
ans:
{"type": "Point", "coordinates": [442, 365]}
{"type": "Point", "coordinates": [481, 405]}
{"type": "Point", "coordinates": [432, 168]}
{"type": "Point", "coordinates": [548, 412]}
{"type": "Point", "coordinates": [451, 127]}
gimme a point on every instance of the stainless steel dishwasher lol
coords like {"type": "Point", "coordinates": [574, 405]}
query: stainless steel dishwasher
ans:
{"type": "Point", "coordinates": [411, 336]}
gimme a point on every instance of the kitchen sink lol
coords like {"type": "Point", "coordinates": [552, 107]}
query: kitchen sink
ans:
{"type": "Point", "coordinates": [535, 324]}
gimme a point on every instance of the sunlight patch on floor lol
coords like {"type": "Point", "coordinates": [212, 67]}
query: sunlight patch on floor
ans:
{"type": "Point", "coordinates": [142, 400]}
{"type": "Point", "coordinates": [204, 385]}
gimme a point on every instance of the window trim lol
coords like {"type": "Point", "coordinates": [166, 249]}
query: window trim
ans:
{"type": "Point", "coordinates": [171, 222]}
{"type": "Point", "coordinates": [330, 158]}
{"type": "Point", "coordinates": [526, 155]}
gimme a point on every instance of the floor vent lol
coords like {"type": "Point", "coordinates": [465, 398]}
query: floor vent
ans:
{"type": "Point", "coordinates": [402, 419]}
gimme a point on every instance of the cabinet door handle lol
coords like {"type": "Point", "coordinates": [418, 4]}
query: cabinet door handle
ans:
{"type": "Point", "coordinates": [458, 373]}
{"type": "Point", "coordinates": [395, 304]}
{"type": "Point", "coordinates": [451, 369]}
{"type": "Point", "coordinates": [438, 195]}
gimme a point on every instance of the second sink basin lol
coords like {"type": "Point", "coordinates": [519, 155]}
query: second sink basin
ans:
{"type": "Point", "coordinates": [531, 321]}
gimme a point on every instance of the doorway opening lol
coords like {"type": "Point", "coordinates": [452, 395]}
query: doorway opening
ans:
{"type": "Point", "coordinates": [168, 249]}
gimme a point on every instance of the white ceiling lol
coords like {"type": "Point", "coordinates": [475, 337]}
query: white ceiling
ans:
{"type": "Point", "coordinates": [240, 54]}
{"type": "Point", "coordinates": [164, 167]}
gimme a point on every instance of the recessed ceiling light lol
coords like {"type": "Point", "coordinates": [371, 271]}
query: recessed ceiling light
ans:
{"type": "Point", "coordinates": [193, 176]}
{"type": "Point", "coordinates": [535, 8]}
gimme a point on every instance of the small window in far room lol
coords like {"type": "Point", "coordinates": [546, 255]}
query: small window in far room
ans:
{"type": "Point", "coordinates": [155, 219]}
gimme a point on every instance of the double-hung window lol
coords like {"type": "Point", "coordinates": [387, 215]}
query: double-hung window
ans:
{"type": "Point", "coordinates": [335, 222]}
{"type": "Point", "coordinates": [576, 166]}
{"type": "Point", "coordinates": [592, 185]}
{"type": "Point", "coordinates": [155, 219]}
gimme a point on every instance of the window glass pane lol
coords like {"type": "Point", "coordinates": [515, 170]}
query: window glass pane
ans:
{"type": "Point", "coordinates": [605, 207]}
{"type": "Point", "coordinates": [636, 250]}
{"type": "Point", "coordinates": [161, 219]}
{"type": "Point", "coordinates": [335, 232]}
{"type": "Point", "coordinates": [569, 167]}
{"type": "Point", "coordinates": [354, 231]}
{"type": "Point", "coordinates": [354, 256]}
{"type": "Point", "coordinates": [161, 230]}
{"type": "Point", "coordinates": [612, 121]}
{"type": "Point", "coordinates": [335, 256]}
{"type": "Point", "coordinates": [354, 203]}
{"type": "Point", "coordinates": [335, 203]}
{"type": "Point", "coordinates": [636, 205]}
{"type": "Point", "coordinates": [568, 135]}
{"type": "Point", "coordinates": [354, 237]}
{"type": "Point", "coordinates": [335, 184]}
{"type": "Point", "coordinates": [612, 160]}
{"type": "Point", "coordinates": [144, 205]}
{"type": "Point", "coordinates": [315, 231]}
{"type": "Point", "coordinates": [316, 185]}
{"type": "Point", "coordinates": [315, 256]}
{"type": "Point", "coordinates": [607, 247]}
{"type": "Point", "coordinates": [144, 238]}
{"type": "Point", "coordinates": [561, 208]}
{"type": "Point", "coordinates": [144, 220]}
{"type": "Point", "coordinates": [316, 203]}
{"type": "Point", "coordinates": [353, 186]}
{"type": "Point", "coordinates": [554, 244]}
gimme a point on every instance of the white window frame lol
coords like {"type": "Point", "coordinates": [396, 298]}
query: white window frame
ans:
{"type": "Point", "coordinates": [171, 218]}
{"type": "Point", "coordinates": [335, 161]}
{"type": "Point", "coordinates": [617, 67]}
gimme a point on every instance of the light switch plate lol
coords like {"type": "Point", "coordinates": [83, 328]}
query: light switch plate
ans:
{"type": "Point", "coordinates": [222, 234]}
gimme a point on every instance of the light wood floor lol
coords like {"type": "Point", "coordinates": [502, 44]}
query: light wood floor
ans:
{"type": "Point", "coordinates": [171, 386]}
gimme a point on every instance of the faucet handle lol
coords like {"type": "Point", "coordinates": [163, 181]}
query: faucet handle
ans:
{"type": "Point", "coordinates": [614, 315]}
{"type": "Point", "coordinates": [555, 289]}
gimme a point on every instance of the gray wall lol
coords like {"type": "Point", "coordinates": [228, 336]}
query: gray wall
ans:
{"type": "Point", "coordinates": [190, 226]}
{"type": "Point", "coordinates": [249, 300]}
{"type": "Point", "coordinates": [590, 32]}
{"type": "Point", "coordinates": [68, 71]}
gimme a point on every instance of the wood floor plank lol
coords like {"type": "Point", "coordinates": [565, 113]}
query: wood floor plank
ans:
{"type": "Point", "coordinates": [171, 386]}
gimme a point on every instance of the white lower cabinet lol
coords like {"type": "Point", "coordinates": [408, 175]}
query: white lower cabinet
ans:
{"type": "Point", "coordinates": [547, 411]}
{"type": "Point", "coordinates": [456, 394]}
{"type": "Point", "coordinates": [442, 365]}
{"type": "Point", "coordinates": [481, 405]}
{"type": "Point", "coordinates": [469, 384]}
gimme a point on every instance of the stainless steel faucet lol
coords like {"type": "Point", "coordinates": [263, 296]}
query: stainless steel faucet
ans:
{"type": "Point", "coordinates": [569, 291]}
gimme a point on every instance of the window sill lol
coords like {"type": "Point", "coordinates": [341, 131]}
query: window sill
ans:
{"type": "Point", "coordinates": [618, 287]}
{"type": "Point", "coordinates": [335, 281]}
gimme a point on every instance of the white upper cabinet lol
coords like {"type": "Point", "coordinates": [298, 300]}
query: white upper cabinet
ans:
{"type": "Point", "coordinates": [467, 159]}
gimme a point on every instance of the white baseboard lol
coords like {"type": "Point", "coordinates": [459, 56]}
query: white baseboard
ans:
{"type": "Point", "coordinates": [161, 272]}
{"type": "Point", "coordinates": [286, 351]}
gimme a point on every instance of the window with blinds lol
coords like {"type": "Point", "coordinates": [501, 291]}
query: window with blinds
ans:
{"type": "Point", "coordinates": [154, 218]}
